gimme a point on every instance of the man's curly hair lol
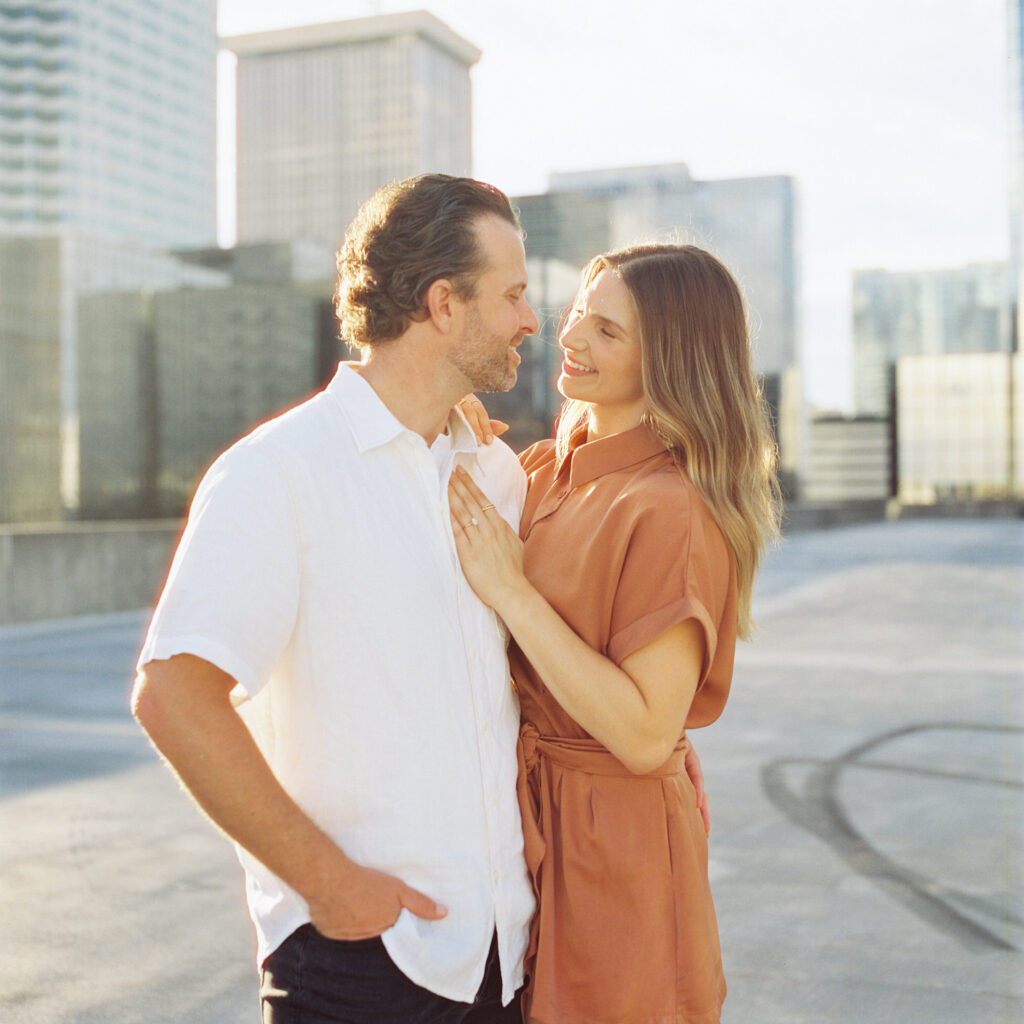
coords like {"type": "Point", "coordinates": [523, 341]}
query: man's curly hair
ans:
{"type": "Point", "coordinates": [406, 236]}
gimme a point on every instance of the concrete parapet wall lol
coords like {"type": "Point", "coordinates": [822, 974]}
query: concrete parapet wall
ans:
{"type": "Point", "coordinates": [65, 569]}
{"type": "Point", "coordinates": [798, 518]}
{"type": "Point", "coordinates": [70, 569]}
{"type": "Point", "coordinates": [1012, 508]}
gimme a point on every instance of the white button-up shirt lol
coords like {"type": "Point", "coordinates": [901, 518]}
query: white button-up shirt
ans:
{"type": "Point", "coordinates": [318, 569]}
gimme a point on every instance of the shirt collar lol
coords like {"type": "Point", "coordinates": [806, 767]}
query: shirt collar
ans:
{"type": "Point", "coordinates": [590, 459]}
{"type": "Point", "coordinates": [463, 438]}
{"type": "Point", "coordinates": [374, 425]}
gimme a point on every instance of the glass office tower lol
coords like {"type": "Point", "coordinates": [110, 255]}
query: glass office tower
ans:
{"type": "Point", "coordinates": [328, 113]}
{"type": "Point", "coordinates": [108, 119]}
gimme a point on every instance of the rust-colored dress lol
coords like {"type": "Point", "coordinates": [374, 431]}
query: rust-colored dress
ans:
{"type": "Point", "coordinates": [623, 547]}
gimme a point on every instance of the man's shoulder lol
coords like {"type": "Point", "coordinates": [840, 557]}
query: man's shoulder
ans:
{"type": "Point", "coordinates": [297, 430]}
{"type": "Point", "coordinates": [295, 423]}
{"type": "Point", "coordinates": [286, 446]}
{"type": "Point", "coordinates": [499, 455]}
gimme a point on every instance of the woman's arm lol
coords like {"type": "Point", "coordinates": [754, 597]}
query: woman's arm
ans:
{"type": "Point", "coordinates": [484, 428]}
{"type": "Point", "coordinates": [638, 711]}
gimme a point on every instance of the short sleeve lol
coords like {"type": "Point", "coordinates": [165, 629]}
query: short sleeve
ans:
{"type": "Point", "coordinates": [232, 593]}
{"type": "Point", "coordinates": [666, 578]}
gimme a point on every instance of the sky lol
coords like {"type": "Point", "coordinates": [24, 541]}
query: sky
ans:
{"type": "Point", "coordinates": [891, 116]}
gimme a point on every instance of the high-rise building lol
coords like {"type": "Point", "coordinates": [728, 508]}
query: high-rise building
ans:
{"type": "Point", "coordinates": [849, 459]}
{"type": "Point", "coordinates": [1015, 53]}
{"type": "Point", "coordinates": [108, 119]}
{"type": "Point", "coordinates": [328, 113]}
{"type": "Point", "coordinates": [960, 419]}
{"type": "Point", "coordinates": [43, 369]}
{"type": "Point", "coordinates": [749, 223]}
{"type": "Point", "coordinates": [178, 376]}
{"type": "Point", "coordinates": [226, 359]}
{"type": "Point", "coordinates": [118, 388]}
{"type": "Point", "coordinates": [30, 380]}
{"type": "Point", "coordinates": [927, 312]}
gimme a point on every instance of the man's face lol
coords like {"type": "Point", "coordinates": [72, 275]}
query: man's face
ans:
{"type": "Point", "coordinates": [498, 317]}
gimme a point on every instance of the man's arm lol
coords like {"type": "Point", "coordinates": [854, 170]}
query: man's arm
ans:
{"type": "Point", "coordinates": [691, 762]}
{"type": "Point", "coordinates": [183, 704]}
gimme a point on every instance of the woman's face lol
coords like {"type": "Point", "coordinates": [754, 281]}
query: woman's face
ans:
{"type": "Point", "coordinates": [601, 354]}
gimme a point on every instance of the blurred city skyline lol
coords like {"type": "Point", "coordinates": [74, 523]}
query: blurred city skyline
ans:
{"type": "Point", "coordinates": [898, 144]}
{"type": "Point", "coordinates": [134, 349]}
{"type": "Point", "coordinates": [109, 260]}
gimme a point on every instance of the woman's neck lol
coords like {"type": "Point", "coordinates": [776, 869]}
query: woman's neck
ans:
{"type": "Point", "coordinates": [605, 421]}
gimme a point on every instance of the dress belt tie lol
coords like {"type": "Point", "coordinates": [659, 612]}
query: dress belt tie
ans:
{"type": "Point", "coordinates": [587, 755]}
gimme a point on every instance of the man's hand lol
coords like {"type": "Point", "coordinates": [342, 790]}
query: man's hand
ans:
{"type": "Point", "coordinates": [184, 704]}
{"type": "Point", "coordinates": [367, 903]}
{"type": "Point", "coordinates": [490, 551]}
{"type": "Point", "coordinates": [691, 762]}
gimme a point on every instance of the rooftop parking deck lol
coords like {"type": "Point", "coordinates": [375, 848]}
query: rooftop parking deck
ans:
{"type": "Point", "coordinates": [866, 782]}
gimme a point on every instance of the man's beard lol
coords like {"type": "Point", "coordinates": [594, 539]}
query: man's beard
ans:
{"type": "Point", "coordinates": [483, 357]}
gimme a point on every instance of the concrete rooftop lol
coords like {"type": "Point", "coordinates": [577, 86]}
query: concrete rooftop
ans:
{"type": "Point", "coordinates": [866, 779]}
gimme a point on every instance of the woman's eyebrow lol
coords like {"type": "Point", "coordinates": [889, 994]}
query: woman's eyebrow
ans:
{"type": "Point", "coordinates": [609, 320]}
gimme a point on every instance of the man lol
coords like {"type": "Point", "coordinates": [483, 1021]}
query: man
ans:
{"type": "Point", "coordinates": [368, 773]}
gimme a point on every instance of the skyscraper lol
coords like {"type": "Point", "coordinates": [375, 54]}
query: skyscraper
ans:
{"type": "Point", "coordinates": [959, 420]}
{"type": "Point", "coordinates": [923, 312]}
{"type": "Point", "coordinates": [43, 372]}
{"type": "Point", "coordinates": [328, 113]}
{"type": "Point", "coordinates": [1015, 52]}
{"type": "Point", "coordinates": [107, 156]}
{"type": "Point", "coordinates": [108, 119]}
{"type": "Point", "coordinates": [749, 223]}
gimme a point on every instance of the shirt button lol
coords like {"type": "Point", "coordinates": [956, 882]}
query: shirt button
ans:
{"type": "Point", "coordinates": [485, 726]}
{"type": "Point", "coordinates": [472, 654]}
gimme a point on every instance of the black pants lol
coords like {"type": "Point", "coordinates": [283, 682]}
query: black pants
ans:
{"type": "Point", "coordinates": [310, 979]}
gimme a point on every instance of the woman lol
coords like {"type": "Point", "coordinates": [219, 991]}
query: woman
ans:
{"type": "Point", "coordinates": [644, 523]}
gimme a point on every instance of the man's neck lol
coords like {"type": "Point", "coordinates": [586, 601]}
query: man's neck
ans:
{"type": "Point", "coordinates": [417, 392]}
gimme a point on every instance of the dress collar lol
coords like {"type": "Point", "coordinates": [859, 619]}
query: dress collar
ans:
{"type": "Point", "coordinates": [590, 459]}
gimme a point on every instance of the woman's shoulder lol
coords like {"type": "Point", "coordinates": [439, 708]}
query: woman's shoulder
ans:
{"type": "Point", "coordinates": [669, 503]}
{"type": "Point", "coordinates": [660, 487]}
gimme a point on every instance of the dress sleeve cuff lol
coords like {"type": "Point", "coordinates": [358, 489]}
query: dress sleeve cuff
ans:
{"type": "Point", "coordinates": [640, 633]}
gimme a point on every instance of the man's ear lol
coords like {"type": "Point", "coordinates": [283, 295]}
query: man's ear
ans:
{"type": "Point", "coordinates": [442, 304]}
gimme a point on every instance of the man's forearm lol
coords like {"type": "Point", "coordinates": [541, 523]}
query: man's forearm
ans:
{"type": "Point", "coordinates": [183, 704]}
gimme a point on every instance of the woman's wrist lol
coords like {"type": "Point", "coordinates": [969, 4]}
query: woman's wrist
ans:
{"type": "Point", "coordinates": [518, 601]}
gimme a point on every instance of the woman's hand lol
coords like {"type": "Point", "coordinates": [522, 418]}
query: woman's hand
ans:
{"type": "Point", "coordinates": [637, 710]}
{"type": "Point", "coordinates": [490, 551]}
{"type": "Point", "coordinates": [486, 430]}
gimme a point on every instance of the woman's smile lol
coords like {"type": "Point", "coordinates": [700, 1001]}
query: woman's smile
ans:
{"type": "Point", "coordinates": [571, 367]}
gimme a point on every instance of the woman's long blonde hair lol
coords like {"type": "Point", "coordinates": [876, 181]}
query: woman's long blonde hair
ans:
{"type": "Point", "coordinates": [703, 399]}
